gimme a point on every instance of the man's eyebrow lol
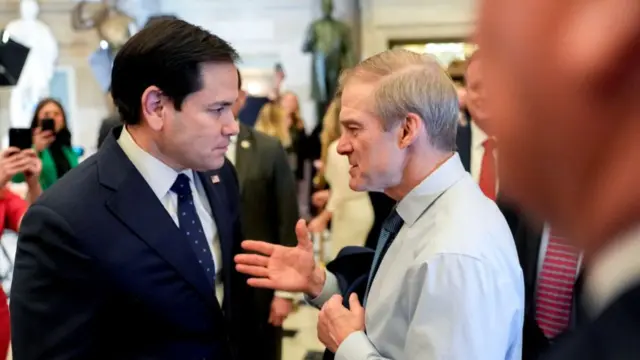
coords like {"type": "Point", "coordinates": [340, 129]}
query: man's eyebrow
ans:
{"type": "Point", "coordinates": [347, 122]}
{"type": "Point", "coordinates": [220, 103]}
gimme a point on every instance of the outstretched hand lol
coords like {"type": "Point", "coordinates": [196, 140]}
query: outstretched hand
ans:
{"type": "Point", "coordinates": [280, 267]}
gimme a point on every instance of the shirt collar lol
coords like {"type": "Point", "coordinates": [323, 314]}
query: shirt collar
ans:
{"type": "Point", "coordinates": [478, 137]}
{"type": "Point", "coordinates": [422, 196]}
{"type": "Point", "coordinates": [614, 271]}
{"type": "Point", "coordinates": [157, 174]}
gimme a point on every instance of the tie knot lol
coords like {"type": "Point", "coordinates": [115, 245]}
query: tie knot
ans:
{"type": "Point", "coordinates": [489, 144]}
{"type": "Point", "coordinates": [393, 223]}
{"type": "Point", "coordinates": [181, 185]}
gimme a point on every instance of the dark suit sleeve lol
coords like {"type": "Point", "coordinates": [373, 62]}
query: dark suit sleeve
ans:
{"type": "Point", "coordinates": [53, 297]}
{"type": "Point", "coordinates": [286, 197]}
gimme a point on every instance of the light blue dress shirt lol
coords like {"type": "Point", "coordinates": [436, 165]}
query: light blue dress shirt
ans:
{"type": "Point", "coordinates": [450, 286]}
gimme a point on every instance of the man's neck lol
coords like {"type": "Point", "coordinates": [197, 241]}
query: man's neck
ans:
{"type": "Point", "coordinates": [418, 168]}
{"type": "Point", "coordinates": [144, 141]}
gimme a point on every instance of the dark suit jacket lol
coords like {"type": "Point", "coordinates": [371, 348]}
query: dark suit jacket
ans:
{"type": "Point", "coordinates": [102, 272]}
{"type": "Point", "coordinates": [268, 198]}
{"type": "Point", "coordinates": [614, 335]}
{"type": "Point", "coordinates": [528, 239]}
{"type": "Point", "coordinates": [463, 145]}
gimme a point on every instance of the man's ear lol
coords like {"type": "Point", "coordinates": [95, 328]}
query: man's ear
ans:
{"type": "Point", "coordinates": [602, 42]}
{"type": "Point", "coordinates": [409, 130]}
{"type": "Point", "coordinates": [153, 105]}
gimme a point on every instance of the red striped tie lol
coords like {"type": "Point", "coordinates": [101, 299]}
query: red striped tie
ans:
{"type": "Point", "coordinates": [487, 179]}
{"type": "Point", "coordinates": [555, 286]}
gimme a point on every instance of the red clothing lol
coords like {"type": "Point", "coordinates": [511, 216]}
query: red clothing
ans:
{"type": "Point", "coordinates": [12, 208]}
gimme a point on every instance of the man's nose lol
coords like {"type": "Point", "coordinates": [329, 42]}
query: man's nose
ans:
{"type": "Point", "coordinates": [231, 128]}
{"type": "Point", "coordinates": [344, 146]}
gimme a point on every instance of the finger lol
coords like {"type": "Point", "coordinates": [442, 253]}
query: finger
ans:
{"type": "Point", "coordinates": [262, 283]}
{"type": "Point", "coordinates": [257, 271]}
{"type": "Point", "coordinates": [354, 303]}
{"type": "Point", "coordinates": [302, 233]}
{"type": "Point", "coordinates": [251, 259]}
{"type": "Point", "coordinates": [261, 247]}
{"type": "Point", "coordinates": [31, 153]}
{"type": "Point", "coordinates": [271, 318]}
{"type": "Point", "coordinates": [10, 151]}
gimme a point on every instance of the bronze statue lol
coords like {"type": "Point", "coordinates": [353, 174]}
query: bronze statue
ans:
{"type": "Point", "coordinates": [329, 42]}
{"type": "Point", "coordinates": [113, 26]}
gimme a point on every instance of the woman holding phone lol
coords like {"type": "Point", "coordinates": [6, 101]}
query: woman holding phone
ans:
{"type": "Point", "coordinates": [14, 161]}
{"type": "Point", "coordinates": [52, 142]}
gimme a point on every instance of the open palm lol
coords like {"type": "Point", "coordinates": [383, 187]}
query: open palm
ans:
{"type": "Point", "coordinates": [279, 267]}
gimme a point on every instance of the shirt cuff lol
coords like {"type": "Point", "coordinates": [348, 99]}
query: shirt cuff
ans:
{"type": "Point", "coordinates": [285, 295]}
{"type": "Point", "coordinates": [356, 347]}
{"type": "Point", "coordinates": [330, 288]}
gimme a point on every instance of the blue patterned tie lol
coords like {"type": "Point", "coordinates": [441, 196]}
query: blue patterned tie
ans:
{"type": "Point", "coordinates": [390, 229]}
{"type": "Point", "coordinates": [192, 227]}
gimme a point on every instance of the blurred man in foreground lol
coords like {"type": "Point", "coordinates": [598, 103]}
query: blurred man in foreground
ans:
{"type": "Point", "coordinates": [565, 100]}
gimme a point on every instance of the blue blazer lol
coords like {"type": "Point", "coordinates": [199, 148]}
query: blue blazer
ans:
{"type": "Point", "coordinates": [102, 272]}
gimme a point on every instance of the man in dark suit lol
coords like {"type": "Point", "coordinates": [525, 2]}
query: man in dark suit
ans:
{"type": "Point", "coordinates": [122, 258]}
{"type": "Point", "coordinates": [269, 212]}
{"type": "Point", "coordinates": [568, 120]}
{"type": "Point", "coordinates": [553, 287]}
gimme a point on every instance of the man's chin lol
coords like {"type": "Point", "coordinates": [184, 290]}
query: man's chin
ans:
{"type": "Point", "coordinates": [357, 185]}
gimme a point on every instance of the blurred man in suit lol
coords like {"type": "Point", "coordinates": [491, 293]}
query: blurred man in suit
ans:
{"type": "Point", "coordinates": [121, 258]}
{"type": "Point", "coordinates": [269, 212]}
{"type": "Point", "coordinates": [476, 141]}
{"type": "Point", "coordinates": [565, 100]}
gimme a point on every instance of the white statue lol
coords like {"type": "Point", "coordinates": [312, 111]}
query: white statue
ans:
{"type": "Point", "coordinates": [33, 84]}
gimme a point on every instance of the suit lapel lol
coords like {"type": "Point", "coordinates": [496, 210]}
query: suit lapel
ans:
{"type": "Point", "coordinates": [245, 147]}
{"type": "Point", "coordinates": [136, 206]}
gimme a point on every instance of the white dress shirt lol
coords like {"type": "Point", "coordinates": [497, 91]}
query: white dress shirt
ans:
{"type": "Point", "coordinates": [450, 286]}
{"type": "Point", "coordinates": [160, 178]}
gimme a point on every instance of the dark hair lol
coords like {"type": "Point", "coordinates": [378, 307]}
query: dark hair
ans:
{"type": "Point", "coordinates": [167, 54]}
{"type": "Point", "coordinates": [239, 80]}
{"type": "Point", "coordinates": [64, 135]}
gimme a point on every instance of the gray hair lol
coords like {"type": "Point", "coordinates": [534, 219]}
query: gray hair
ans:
{"type": "Point", "coordinates": [408, 82]}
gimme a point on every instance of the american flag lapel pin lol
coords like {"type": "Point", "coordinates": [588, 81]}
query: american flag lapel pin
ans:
{"type": "Point", "coordinates": [215, 179]}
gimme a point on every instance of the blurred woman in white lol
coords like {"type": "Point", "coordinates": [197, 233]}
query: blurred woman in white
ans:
{"type": "Point", "coordinates": [350, 212]}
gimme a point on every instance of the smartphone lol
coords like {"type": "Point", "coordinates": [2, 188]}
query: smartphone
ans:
{"type": "Point", "coordinates": [20, 138]}
{"type": "Point", "coordinates": [48, 124]}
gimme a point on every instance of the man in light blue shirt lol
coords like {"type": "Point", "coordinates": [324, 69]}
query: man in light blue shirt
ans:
{"type": "Point", "coordinates": [444, 282]}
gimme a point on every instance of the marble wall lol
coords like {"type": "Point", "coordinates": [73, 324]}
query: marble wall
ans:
{"type": "Point", "coordinates": [385, 20]}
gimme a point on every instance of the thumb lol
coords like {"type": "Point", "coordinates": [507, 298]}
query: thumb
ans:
{"type": "Point", "coordinates": [354, 305]}
{"type": "Point", "coordinates": [302, 233]}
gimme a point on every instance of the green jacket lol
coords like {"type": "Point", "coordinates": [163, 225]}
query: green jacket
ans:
{"type": "Point", "coordinates": [49, 173]}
